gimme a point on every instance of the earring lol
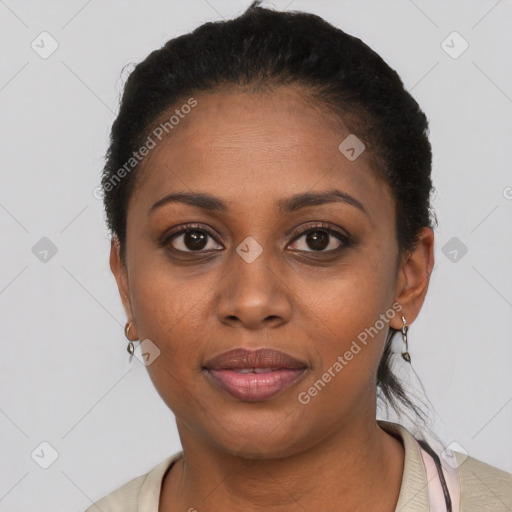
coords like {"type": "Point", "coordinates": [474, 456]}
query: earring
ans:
{"type": "Point", "coordinates": [131, 346]}
{"type": "Point", "coordinates": [405, 328]}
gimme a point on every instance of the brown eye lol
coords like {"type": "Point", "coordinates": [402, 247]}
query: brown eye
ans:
{"type": "Point", "coordinates": [191, 239]}
{"type": "Point", "coordinates": [320, 239]}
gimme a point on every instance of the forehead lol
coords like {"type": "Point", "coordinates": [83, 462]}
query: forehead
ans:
{"type": "Point", "coordinates": [254, 147]}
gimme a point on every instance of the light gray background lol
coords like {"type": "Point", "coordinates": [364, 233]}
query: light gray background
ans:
{"type": "Point", "coordinates": [65, 374]}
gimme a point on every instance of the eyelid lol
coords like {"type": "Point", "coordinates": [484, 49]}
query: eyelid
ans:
{"type": "Point", "coordinates": [321, 226]}
{"type": "Point", "coordinates": [183, 228]}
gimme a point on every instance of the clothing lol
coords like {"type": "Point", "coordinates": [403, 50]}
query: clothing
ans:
{"type": "Point", "coordinates": [473, 485]}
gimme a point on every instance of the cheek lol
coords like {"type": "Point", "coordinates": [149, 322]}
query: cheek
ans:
{"type": "Point", "coordinates": [350, 326]}
{"type": "Point", "coordinates": [351, 299]}
{"type": "Point", "coordinates": [347, 325]}
{"type": "Point", "coordinates": [171, 318]}
{"type": "Point", "coordinates": [168, 301]}
{"type": "Point", "coordinates": [174, 312]}
{"type": "Point", "coordinates": [345, 362]}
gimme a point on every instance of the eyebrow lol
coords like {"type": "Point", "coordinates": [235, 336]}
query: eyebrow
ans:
{"type": "Point", "coordinates": [289, 205]}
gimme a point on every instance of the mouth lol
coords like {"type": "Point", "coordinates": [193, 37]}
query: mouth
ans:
{"type": "Point", "coordinates": [254, 375]}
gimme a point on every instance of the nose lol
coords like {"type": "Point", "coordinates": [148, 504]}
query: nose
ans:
{"type": "Point", "coordinates": [254, 293]}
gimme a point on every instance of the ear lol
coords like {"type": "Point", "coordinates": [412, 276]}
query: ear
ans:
{"type": "Point", "coordinates": [414, 277]}
{"type": "Point", "coordinates": [121, 275]}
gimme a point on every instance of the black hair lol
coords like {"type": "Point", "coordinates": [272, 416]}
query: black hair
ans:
{"type": "Point", "coordinates": [264, 49]}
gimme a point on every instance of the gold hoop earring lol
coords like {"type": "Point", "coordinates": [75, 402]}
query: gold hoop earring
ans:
{"type": "Point", "coordinates": [131, 346]}
{"type": "Point", "coordinates": [404, 329]}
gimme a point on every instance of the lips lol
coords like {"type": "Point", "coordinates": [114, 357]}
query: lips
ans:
{"type": "Point", "coordinates": [263, 358]}
{"type": "Point", "coordinates": [254, 375]}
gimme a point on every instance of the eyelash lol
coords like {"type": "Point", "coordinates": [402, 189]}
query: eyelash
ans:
{"type": "Point", "coordinates": [323, 226]}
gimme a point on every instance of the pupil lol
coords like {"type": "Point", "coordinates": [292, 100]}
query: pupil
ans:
{"type": "Point", "coordinates": [318, 240]}
{"type": "Point", "coordinates": [195, 240]}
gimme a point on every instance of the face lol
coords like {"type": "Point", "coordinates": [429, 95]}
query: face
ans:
{"type": "Point", "coordinates": [263, 267]}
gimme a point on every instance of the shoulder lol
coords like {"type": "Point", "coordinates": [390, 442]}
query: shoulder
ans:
{"type": "Point", "coordinates": [140, 493]}
{"type": "Point", "coordinates": [483, 487]}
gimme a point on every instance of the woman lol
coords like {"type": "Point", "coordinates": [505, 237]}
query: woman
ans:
{"type": "Point", "coordinates": [268, 185]}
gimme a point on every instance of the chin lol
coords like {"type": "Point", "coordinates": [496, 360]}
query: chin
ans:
{"type": "Point", "coordinates": [263, 434]}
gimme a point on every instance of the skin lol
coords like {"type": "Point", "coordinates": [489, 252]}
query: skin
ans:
{"type": "Point", "coordinates": [251, 150]}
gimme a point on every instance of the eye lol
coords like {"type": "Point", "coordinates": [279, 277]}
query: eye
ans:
{"type": "Point", "coordinates": [190, 238]}
{"type": "Point", "coordinates": [321, 238]}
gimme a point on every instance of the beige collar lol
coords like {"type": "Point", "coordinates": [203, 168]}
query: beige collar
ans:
{"type": "Point", "coordinates": [413, 495]}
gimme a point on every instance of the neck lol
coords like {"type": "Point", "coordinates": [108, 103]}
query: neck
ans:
{"type": "Point", "coordinates": [358, 467]}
